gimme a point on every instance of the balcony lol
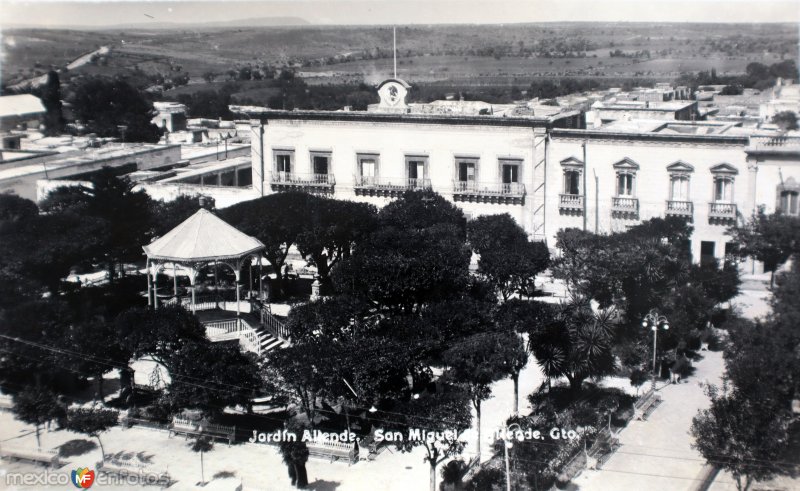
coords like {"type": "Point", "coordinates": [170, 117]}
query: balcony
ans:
{"type": "Point", "coordinates": [624, 207]}
{"type": "Point", "coordinates": [391, 187]}
{"type": "Point", "coordinates": [679, 208]}
{"type": "Point", "coordinates": [722, 213]}
{"type": "Point", "coordinates": [312, 183]}
{"type": "Point", "coordinates": [489, 192]}
{"type": "Point", "coordinates": [570, 204]}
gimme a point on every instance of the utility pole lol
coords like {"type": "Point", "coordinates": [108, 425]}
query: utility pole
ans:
{"type": "Point", "coordinates": [596, 201]}
{"type": "Point", "coordinates": [584, 186]}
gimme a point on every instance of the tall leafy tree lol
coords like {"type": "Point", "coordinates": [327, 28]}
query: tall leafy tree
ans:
{"type": "Point", "coordinates": [509, 262]}
{"type": "Point", "coordinates": [771, 239]}
{"type": "Point", "coordinates": [106, 105]}
{"type": "Point", "coordinates": [212, 376]}
{"type": "Point", "coordinates": [92, 422]}
{"type": "Point", "coordinates": [332, 231]}
{"type": "Point", "coordinates": [510, 349]}
{"type": "Point", "coordinates": [473, 363]}
{"type": "Point", "coordinates": [124, 215]}
{"type": "Point", "coordinates": [51, 99]}
{"type": "Point", "coordinates": [441, 412]}
{"type": "Point", "coordinates": [276, 220]}
{"type": "Point", "coordinates": [735, 435]}
{"type": "Point", "coordinates": [403, 269]}
{"type": "Point", "coordinates": [37, 406]}
{"type": "Point", "coordinates": [158, 333]}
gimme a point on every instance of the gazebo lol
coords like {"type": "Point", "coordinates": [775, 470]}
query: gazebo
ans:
{"type": "Point", "coordinates": [201, 239]}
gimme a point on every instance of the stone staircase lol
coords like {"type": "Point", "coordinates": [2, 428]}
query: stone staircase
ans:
{"type": "Point", "coordinates": [267, 341]}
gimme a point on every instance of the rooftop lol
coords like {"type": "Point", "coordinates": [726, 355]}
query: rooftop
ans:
{"type": "Point", "coordinates": [20, 105]}
{"type": "Point", "coordinates": [202, 237]}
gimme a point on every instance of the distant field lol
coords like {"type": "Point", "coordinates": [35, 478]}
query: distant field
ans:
{"type": "Point", "coordinates": [469, 54]}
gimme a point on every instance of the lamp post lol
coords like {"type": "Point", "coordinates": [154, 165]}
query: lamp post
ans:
{"type": "Point", "coordinates": [654, 321]}
{"type": "Point", "coordinates": [506, 445]}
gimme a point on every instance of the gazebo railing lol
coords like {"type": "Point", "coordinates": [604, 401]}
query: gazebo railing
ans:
{"type": "Point", "coordinates": [230, 329]}
{"type": "Point", "coordinates": [269, 322]}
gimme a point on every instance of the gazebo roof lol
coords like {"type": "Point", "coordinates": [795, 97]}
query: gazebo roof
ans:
{"type": "Point", "coordinates": [202, 237]}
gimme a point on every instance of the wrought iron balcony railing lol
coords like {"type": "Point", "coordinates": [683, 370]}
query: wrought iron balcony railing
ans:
{"type": "Point", "coordinates": [308, 181]}
{"type": "Point", "coordinates": [496, 192]}
{"type": "Point", "coordinates": [369, 185]}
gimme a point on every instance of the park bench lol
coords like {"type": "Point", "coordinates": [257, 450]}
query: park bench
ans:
{"type": "Point", "coordinates": [36, 455]}
{"type": "Point", "coordinates": [6, 402]}
{"type": "Point", "coordinates": [192, 428]}
{"type": "Point", "coordinates": [603, 447]}
{"type": "Point", "coordinates": [145, 473]}
{"type": "Point", "coordinates": [333, 451]}
{"type": "Point", "coordinates": [372, 448]}
{"type": "Point", "coordinates": [646, 404]}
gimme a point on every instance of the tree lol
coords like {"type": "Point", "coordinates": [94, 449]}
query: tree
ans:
{"type": "Point", "coordinates": [123, 214]}
{"type": "Point", "coordinates": [510, 349]}
{"type": "Point", "coordinates": [169, 214]}
{"type": "Point", "coordinates": [51, 99]}
{"type": "Point", "coordinates": [201, 445]}
{"type": "Point", "coordinates": [276, 220]}
{"type": "Point", "coordinates": [735, 435]}
{"type": "Point", "coordinates": [509, 262]}
{"type": "Point", "coordinates": [403, 269]}
{"type": "Point", "coordinates": [423, 209]}
{"type": "Point", "coordinates": [771, 239]}
{"type": "Point", "coordinates": [786, 120]}
{"type": "Point", "coordinates": [333, 229]}
{"type": "Point", "coordinates": [158, 333]}
{"type": "Point", "coordinates": [97, 349]}
{"type": "Point", "coordinates": [302, 368]}
{"type": "Point", "coordinates": [295, 456]}
{"type": "Point", "coordinates": [577, 345]}
{"type": "Point", "coordinates": [474, 363]}
{"type": "Point", "coordinates": [92, 422]}
{"type": "Point", "coordinates": [228, 377]}
{"type": "Point", "coordinates": [37, 406]}
{"type": "Point", "coordinates": [439, 414]}
{"type": "Point", "coordinates": [106, 105]}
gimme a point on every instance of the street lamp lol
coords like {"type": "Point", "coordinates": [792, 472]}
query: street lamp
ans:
{"type": "Point", "coordinates": [506, 445]}
{"type": "Point", "coordinates": [654, 320]}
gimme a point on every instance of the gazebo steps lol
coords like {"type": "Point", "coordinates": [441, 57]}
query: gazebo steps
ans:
{"type": "Point", "coordinates": [269, 342]}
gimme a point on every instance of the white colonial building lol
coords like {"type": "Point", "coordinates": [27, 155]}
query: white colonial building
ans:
{"type": "Point", "coordinates": [536, 164]}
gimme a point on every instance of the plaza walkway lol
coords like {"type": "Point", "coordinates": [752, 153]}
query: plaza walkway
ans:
{"type": "Point", "coordinates": [656, 454]}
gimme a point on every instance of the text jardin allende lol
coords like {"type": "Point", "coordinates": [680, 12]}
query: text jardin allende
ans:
{"type": "Point", "coordinates": [414, 434]}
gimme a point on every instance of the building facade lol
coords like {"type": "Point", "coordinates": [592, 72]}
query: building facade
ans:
{"type": "Point", "coordinates": [540, 170]}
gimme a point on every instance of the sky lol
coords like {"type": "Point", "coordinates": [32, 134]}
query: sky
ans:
{"type": "Point", "coordinates": [43, 13]}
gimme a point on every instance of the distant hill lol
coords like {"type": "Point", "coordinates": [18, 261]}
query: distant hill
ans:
{"type": "Point", "coordinates": [256, 22]}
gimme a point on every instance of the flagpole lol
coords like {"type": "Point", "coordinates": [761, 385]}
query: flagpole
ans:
{"type": "Point", "coordinates": [394, 49]}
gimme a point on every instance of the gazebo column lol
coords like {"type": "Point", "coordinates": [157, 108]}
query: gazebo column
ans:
{"type": "Point", "coordinates": [149, 286]}
{"type": "Point", "coordinates": [260, 280]}
{"type": "Point", "coordinates": [175, 281]}
{"type": "Point", "coordinates": [192, 281]}
{"type": "Point", "coordinates": [155, 289]}
{"type": "Point", "coordinates": [216, 285]}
